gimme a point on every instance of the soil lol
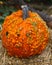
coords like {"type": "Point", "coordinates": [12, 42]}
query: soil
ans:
{"type": "Point", "coordinates": [45, 58]}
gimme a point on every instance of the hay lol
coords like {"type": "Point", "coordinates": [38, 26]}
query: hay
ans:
{"type": "Point", "coordinates": [45, 58]}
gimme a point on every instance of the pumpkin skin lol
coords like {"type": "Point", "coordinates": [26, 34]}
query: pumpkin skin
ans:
{"type": "Point", "coordinates": [24, 38]}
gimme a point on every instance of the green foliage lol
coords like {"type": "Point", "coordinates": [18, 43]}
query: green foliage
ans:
{"type": "Point", "coordinates": [28, 0]}
{"type": "Point", "coordinates": [5, 11]}
{"type": "Point", "coordinates": [43, 1]}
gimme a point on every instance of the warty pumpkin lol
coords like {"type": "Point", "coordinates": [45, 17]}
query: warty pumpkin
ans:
{"type": "Point", "coordinates": [24, 38]}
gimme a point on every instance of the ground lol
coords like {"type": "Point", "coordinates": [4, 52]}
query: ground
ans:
{"type": "Point", "coordinates": [45, 58]}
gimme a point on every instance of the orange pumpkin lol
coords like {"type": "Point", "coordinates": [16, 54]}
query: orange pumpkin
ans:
{"type": "Point", "coordinates": [24, 38]}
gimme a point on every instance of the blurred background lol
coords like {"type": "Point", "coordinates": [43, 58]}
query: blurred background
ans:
{"type": "Point", "coordinates": [9, 6]}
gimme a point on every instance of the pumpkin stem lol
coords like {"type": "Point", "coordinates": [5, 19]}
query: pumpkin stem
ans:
{"type": "Point", "coordinates": [25, 11]}
{"type": "Point", "coordinates": [24, 7]}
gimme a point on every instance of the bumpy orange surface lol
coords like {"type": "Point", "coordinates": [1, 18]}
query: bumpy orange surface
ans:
{"type": "Point", "coordinates": [24, 38]}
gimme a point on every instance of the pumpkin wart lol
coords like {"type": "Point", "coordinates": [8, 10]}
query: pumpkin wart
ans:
{"type": "Point", "coordinates": [28, 34]}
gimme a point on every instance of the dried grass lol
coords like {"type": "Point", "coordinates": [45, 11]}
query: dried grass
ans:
{"type": "Point", "coordinates": [45, 58]}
